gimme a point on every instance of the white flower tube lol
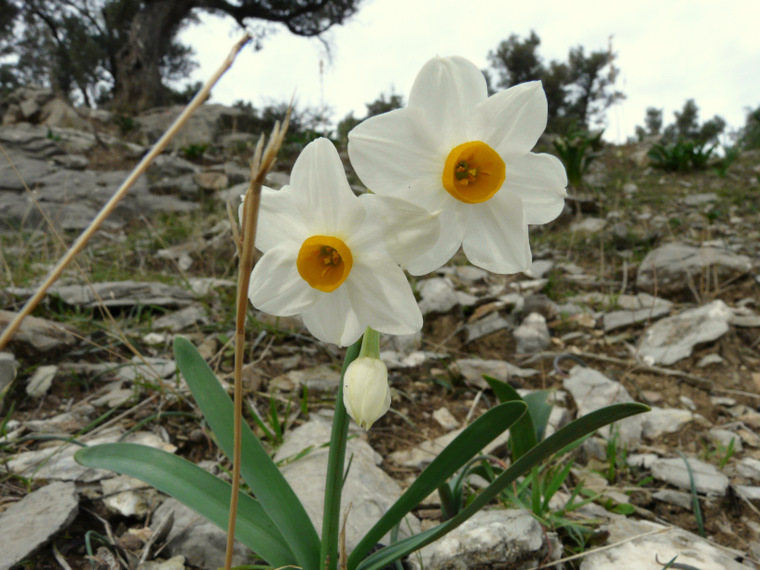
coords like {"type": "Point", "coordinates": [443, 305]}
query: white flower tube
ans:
{"type": "Point", "coordinates": [366, 393]}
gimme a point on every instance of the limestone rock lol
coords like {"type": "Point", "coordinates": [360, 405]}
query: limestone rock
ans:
{"type": "Point", "coordinates": [707, 479]}
{"type": "Point", "coordinates": [672, 267]}
{"type": "Point", "coordinates": [532, 335]}
{"type": "Point", "coordinates": [643, 552]}
{"type": "Point", "coordinates": [635, 309]}
{"type": "Point", "coordinates": [438, 295]}
{"type": "Point", "coordinates": [489, 539]}
{"type": "Point", "coordinates": [592, 390]}
{"type": "Point", "coordinates": [673, 338]}
{"type": "Point", "coordinates": [27, 525]}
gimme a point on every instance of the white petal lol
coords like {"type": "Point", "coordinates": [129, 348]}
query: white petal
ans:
{"type": "Point", "coordinates": [497, 235]}
{"type": "Point", "coordinates": [388, 151]}
{"type": "Point", "coordinates": [382, 297]}
{"type": "Point", "coordinates": [540, 181]}
{"type": "Point", "coordinates": [453, 224]}
{"type": "Point", "coordinates": [277, 288]}
{"type": "Point", "coordinates": [406, 230]}
{"type": "Point", "coordinates": [333, 319]}
{"type": "Point", "coordinates": [448, 89]}
{"type": "Point", "coordinates": [511, 121]}
{"type": "Point", "coordinates": [326, 201]}
{"type": "Point", "coordinates": [279, 220]}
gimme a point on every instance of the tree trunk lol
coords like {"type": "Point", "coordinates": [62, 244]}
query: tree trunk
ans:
{"type": "Point", "coordinates": [138, 84]}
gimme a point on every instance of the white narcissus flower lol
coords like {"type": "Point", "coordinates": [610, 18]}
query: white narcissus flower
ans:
{"type": "Point", "coordinates": [366, 393]}
{"type": "Point", "coordinates": [455, 150]}
{"type": "Point", "coordinates": [327, 253]}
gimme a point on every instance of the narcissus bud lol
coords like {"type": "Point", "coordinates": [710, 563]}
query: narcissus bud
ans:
{"type": "Point", "coordinates": [366, 393]}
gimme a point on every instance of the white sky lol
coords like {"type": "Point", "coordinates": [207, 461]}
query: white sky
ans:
{"type": "Point", "coordinates": [668, 51]}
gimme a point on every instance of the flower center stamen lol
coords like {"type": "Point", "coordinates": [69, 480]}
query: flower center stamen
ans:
{"type": "Point", "coordinates": [324, 262]}
{"type": "Point", "coordinates": [473, 172]}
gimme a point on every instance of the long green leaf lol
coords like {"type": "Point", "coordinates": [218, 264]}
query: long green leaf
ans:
{"type": "Point", "coordinates": [523, 433]}
{"type": "Point", "coordinates": [473, 439]}
{"type": "Point", "coordinates": [206, 494]}
{"type": "Point", "coordinates": [563, 437]}
{"type": "Point", "coordinates": [262, 475]}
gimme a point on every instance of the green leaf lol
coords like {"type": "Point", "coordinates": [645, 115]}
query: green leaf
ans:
{"type": "Point", "coordinates": [262, 475]}
{"type": "Point", "coordinates": [523, 433]}
{"type": "Point", "coordinates": [468, 443]}
{"type": "Point", "coordinates": [563, 437]}
{"type": "Point", "coordinates": [206, 494]}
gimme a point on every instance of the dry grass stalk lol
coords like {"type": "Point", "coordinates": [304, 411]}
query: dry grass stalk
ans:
{"type": "Point", "coordinates": [261, 164]}
{"type": "Point", "coordinates": [108, 208]}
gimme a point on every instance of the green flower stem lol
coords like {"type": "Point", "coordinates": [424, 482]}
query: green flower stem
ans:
{"type": "Point", "coordinates": [334, 482]}
{"type": "Point", "coordinates": [370, 344]}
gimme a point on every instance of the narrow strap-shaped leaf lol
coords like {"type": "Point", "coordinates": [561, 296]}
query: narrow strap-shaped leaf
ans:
{"type": "Point", "coordinates": [540, 409]}
{"type": "Point", "coordinates": [523, 433]}
{"type": "Point", "coordinates": [206, 494]}
{"type": "Point", "coordinates": [468, 443]}
{"type": "Point", "coordinates": [563, 437]}
{"type": "Point", "coordinates": [262, 475]}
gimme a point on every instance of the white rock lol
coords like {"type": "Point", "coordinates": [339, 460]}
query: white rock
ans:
{"type": "Point", "coordinates": [489, 324]}
{"type": "Point", "coordinates": [664, 420]}
{"type": "Point", "coordinates": [8, 368]}
{"type": "Point", "coordinates": [307, 477]}
{"type": "Point", "coordinates": [539, 268]}
{"type": "Point", "coordinates": [673, 338]}
{"type": "Point", "coordinates": [490, 539]}
{"type": "Point", "coordinates": [30, 523]}
{"type": "Point", "coordinates": [473, 370]}
{"type": "Point", "coordinates": [589, 225]}
{"type": "Point", "coordinates": [707, 479]}
{"type": "Point", "coordinates": [41, 380]}
{"type": "Point", "coordinates": [57, 463]}
{"type": "Point", "coordinates": [532, 335]}
{"type": "Point", "coordinates": [174, 563]}
{"type": "Point", "coordinates": [445, 419]}
{"type": "Point", "coordinates": [437, 295]}
{"type": "Point", "coordinates": [642, 553]}
{"type": "Point", "coordinates": [636, 309]}
{"type": "Point", "coordinates": [678, 498]}
{"type": "Point", "coordinates": [750, 468]}
{"type": "Point", "coordinates": [592, 390]}
{"type": "Point", "coordinates": [724, 438]}
{"type": "Point", "coordinates": [129, 496]}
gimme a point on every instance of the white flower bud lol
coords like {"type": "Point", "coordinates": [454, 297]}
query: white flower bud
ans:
{"type": "Point", "coordinates": [366, 393]}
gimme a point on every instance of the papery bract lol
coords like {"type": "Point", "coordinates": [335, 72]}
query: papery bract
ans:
{"type": "Point", "coordinates": [327, 253]}
{"type": "Point", "coordinates": [457, 151]}
{"type": "Point", "coordinates": [366, 393]}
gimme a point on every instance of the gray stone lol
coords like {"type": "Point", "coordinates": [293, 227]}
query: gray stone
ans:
{"type": "Point", "coordinates": [8, 370]}
{"type": "Point", "coordinates": [174, 563]}
{"type": "Point", "coordinates": [636, 309]}
{"type": "Point", "coordinates": [202, 543]}
{"type": "Point", "coordinates": [41, 380]}
{"type": "Point", "coordinates": [57, 463]}
{"type": "Point", "coordinates": [37, 333]}
{"type": "Point", "coordinates": [182, 319]}
{"type": "Point", "coordinates": [204, 127]}
{"type": "Point", "coordinates": [319, 378]}
{"type": "Point", "coordinates": [749, 468]}
{"type": "Point", "coordinates": [709, 359]}
{"type": "Point", "coordinates": [539, 268]}
{"type": "Point", "coordinates": [128, 496]}
{"type": "Point", "coordinates": [489, 324]}
{"type": "Point", "coordinates": [490, 539]}
{"type": "Point", "coordinates": [652, 542]}
{"type": "Point", "coordinates": [674, 267]}
{"type": "Point", "coordinates": [437, 295]}
{"type": "Point", "coordinates": [27, 525]}
{"type": "Point", "coordinates": [673, 338]}
{"type": "Point", "coordinates": [707, 479]}
{"type": "Point", "coordinates": [677, 498]}
{"type": "Point", "coordinates": [307, 477]}
{"type": "Point", "coordinates": [698, 199]}
{"type": "Point", "coordinates": [747, 492]}
{"type": "Point", "coordinates": [146, 368]}
{"type": "Point", "coordinates": [660, 421]}
{"type": "Point", "coordinates": [473, 369]}
{"type": "Point", "coordinates": [117, 294]}
{"type": "Point", "coordinates": [724, 437]}
{"type": "Point", "coordinates": [72, 161]}
{"type": "Point", "coordinates": [592, 390]}
{"type": "Point", "coordinates": [445, 419]}
{"type": "Point", "coordinates": [589, 225]}
{"type": "Point", "coordinates": [532, 335]}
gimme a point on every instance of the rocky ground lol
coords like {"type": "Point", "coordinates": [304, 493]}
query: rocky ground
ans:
{"type": "Point", "coordinates": [645, 289]}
